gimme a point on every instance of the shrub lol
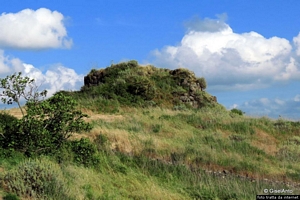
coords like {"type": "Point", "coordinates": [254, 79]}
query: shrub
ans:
{"type": "Point", "coordinates": [35, 179]}
{"type": "Point", "coordinates": [11, 197]}
{"type": "Point", "coordinates": [202, 83]}
{"type": "Point", "coordinates": [156, 128]}
{"type": "Point", "coordinates": [47, 124]}
{"type": "Point", "coordinates": [85, 152]}
{"type": "Point", "coordinates": [237, 111]}
{"type": "Point", "coordinates": [7, 122]}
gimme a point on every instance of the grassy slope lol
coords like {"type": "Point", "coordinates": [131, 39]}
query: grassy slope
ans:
{"type": "Point", "coordinates": [182, 145]}
{"type": "Point", "coordinates": [167, 153]}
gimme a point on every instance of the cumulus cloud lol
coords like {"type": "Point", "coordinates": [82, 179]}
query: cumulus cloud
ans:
{"type": "Point", "coordinates": [7, 64]}
{"type": "Point", "coordinates": [29, 29]}
{"type": "Point", "coordinates": [55, 78]}
{"type": "Point", "coordinates": [229, 60]}
{"type": "Point", "coordinates": [297, 44]}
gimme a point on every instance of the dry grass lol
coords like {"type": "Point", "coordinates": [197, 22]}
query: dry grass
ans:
{"type": "Point", "coordinates": [265, 142]}
{"type": "Point", "coordinates": [15, 112]}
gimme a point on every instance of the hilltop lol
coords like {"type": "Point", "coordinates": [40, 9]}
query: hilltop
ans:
{"type": "Point", "coordinates": [131, 84]}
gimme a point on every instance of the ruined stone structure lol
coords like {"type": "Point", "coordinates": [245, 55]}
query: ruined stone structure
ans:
{"type": "Point", "coordinates": [191, 93]}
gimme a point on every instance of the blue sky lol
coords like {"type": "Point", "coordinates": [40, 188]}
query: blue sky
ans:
{"type": "Point", "coordinates": [248, 51]}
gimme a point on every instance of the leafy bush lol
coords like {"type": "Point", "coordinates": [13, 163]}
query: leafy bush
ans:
{"type": "Point", "coordinates": [202, 83]}
{"type": "Point", "coordinates": [47, 124]}
{"type": "Point", "coordinates": [35, 179]}
{"type": "Point", "coordinates": [11, 197]}
{"type": "Point", "coordinates": [7, 122]}
{"type": "Point", "coordinates": [237, 111]}
{"type": "Point", "coordinates": [85, 152]}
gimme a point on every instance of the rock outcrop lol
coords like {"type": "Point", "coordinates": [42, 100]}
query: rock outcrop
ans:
{"type": "Point", "coordinates": [188, 89]}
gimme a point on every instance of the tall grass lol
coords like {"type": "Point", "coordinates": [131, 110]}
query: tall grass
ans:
{"type": "Point", "coordinates": [156, 153]}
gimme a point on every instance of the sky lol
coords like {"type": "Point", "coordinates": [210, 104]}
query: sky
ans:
{"type": "Point", "coordinates": [248, 51]}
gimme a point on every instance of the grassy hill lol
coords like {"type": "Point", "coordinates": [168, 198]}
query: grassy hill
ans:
{"type": "Point", "coordinates": [149, 142]}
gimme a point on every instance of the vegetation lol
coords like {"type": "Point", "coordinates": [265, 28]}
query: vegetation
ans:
{"type": "Point", "coordinates": [132, 85]}
{"type": "Point", "coordinates": [237, 111]}
{"type": "Point", "coordinates": [131, 149]}
{"type": "Point", "coordinates": [17, 87]}
{"type": "Point", "coordinates": [47, 124]}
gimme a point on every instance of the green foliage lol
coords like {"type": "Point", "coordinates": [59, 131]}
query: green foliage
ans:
{"type": "Point", "coordinates": [7, 122]}
{"type": "Point", "coordinates": [156, 128]}
{"type": "Point", "coordinates": [132, 85]}
{"type": "Point", "coordinates": [11, 197]}
{"type": "Point", "coordinates": [237, 111]}
{"type": "Point", "coordinates": [35, 179]}
{"type": "Point", "coordinates": [59, 116]}
{"type": "Point", "coordinates": [47, 124]}
{"type": "Point", "coordinates": [202, 83]}
{"type": "Point", "coordinates": [85, 152]}
{"type": "Point", "coordinates": [17, 87]}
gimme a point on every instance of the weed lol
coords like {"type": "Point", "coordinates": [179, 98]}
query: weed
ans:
{"type": "Point", "coordinates": [11, 196]}
{"type": "Point", "coordinates": [35, 178]}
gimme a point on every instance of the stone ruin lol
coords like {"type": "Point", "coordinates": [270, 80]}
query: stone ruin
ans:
{"type": "Point", "coordinates": [183, 77]}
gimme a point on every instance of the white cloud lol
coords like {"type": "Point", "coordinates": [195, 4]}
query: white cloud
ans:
{"type": "Point", "coordinates": [264, 101]}
{"type": "Point", "coordinates": [297, 44]}
{"type": "Point", "coordinates": [29, 29]}
{"type": "Point", "coordinates": [291, 71]}
{"type": "Point", "coordinates": [229, 60]}
{"type": "Point", "coordinates": [279, 102]}
{"type": "Point", "coordinates": [54, 79]}
{"type": "Point", "coordinates": [8, 65]}
{"type": "Point", "coordinates": [297, 98]}
{"type": "Point", "coordinates": [233, 106]}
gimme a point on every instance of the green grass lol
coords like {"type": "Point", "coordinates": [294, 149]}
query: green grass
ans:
{"type": "Point", "coordinates": [162, 154]}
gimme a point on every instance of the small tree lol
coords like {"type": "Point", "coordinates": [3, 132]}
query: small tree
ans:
{"type": "Point", "coordinates": [202, 83]}
{"type": "Point", "coordinates": [16, 87]}
{"type": "Point", "coordinates": [47, 124]}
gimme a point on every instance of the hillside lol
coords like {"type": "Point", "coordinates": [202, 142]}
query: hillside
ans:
{"type": "Point", "coordinates": [151, 140]}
